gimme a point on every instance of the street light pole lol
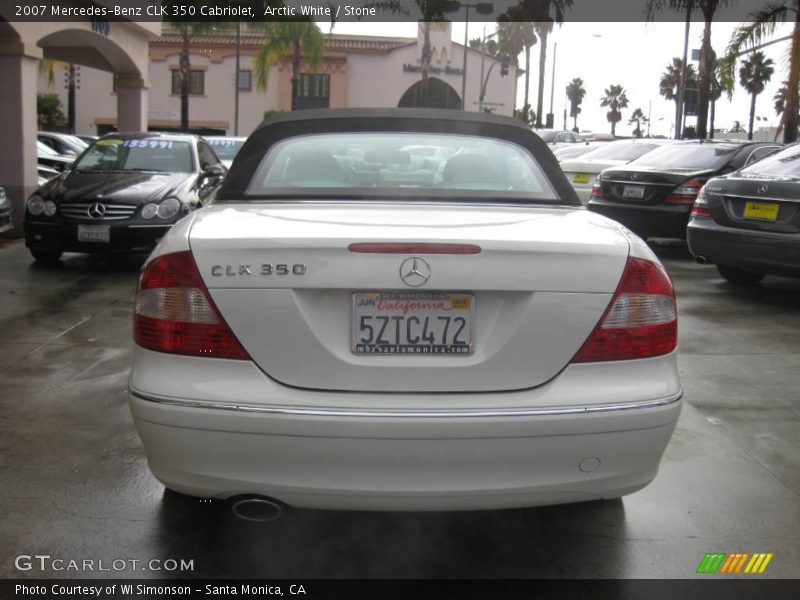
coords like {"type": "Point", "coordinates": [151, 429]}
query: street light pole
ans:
{"type": "Point", "coordinates": [464, 64]}
{"type": "Point", "coordinates": [553, 81]}
{"type": "Point", "coordinates": [480, 81]}
{"type": "Point", "coordinates": [236, 79]}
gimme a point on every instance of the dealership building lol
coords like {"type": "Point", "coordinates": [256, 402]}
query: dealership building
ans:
{"type": "Point", "coordinates": [355, 71]}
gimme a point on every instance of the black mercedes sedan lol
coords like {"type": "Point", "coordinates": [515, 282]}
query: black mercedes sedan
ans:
{"type": "Point", "coordinates": [748, 222]}
{"type": "Point", "coordinates": [654, 194]}
{"type": "Point", "coordinates": [122, 195]}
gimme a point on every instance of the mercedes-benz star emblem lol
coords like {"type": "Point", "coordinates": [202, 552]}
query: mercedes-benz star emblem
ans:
{"type": "Point", "coordinates": [415, 271]}
{"type": "Point", "coordinates": [762, 189]}
{"type": "Point", "coordinates": [635, 176]}
{"type": "Point", "coordinates": [97, 211]}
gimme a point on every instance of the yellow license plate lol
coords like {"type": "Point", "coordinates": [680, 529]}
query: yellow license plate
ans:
{"type": "Point", "coordinates": [581, 178]}
{"type": "Point", "coordinates": [763, 211]}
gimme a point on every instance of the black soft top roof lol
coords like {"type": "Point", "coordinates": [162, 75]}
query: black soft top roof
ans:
{"type": "Point", "coordinates": [281, 126]}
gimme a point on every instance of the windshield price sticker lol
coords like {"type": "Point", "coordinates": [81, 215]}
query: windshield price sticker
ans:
{"type": "Point", "coordinates": [154, 144]}
{"type": "Point", "coordinates": [222, 143]}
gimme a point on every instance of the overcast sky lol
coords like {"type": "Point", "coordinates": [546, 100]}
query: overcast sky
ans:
{"type": "Point", "coordinates": [633, 55]}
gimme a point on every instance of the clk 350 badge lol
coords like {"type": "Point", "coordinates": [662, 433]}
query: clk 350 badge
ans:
{"type": "Point", "coordinates": [265, 269]}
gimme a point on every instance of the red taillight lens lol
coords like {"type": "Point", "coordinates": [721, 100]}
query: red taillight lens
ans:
{"type": "Point", "coordinates": [700, 208]}
{"type": "Point", "coordinates": [641, 319]}
{"type": "Point", "coordinates": [173, 312]}
{"type": "Point", "coordinates": [597, 189]}
{"type": "Point", "coordinates": [685, 193]}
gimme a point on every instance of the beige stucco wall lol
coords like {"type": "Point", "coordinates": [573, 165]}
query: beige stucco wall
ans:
{"type": "Point", "coordinates": [379, 80]}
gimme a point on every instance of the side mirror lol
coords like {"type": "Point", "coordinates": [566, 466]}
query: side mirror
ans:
{"type": "Point", "coordinates": [214, 171]}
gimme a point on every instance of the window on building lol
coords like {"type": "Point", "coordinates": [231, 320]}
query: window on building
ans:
{"type": "Point", "coordinates": [313, 91]}
{"type": "Point", "coordinates": [245, 80]}
{"type": "Point", "coordinates": [197, 82]}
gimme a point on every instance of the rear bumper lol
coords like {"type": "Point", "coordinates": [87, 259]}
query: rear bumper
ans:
{"type": "Point", "coordinates": [504, 450]}
{"type": "Point", "coordinates": [58, 236]}
{"type": "Point", "coordinates": [758, 251]}
{"type": "Point", "coordinates": [662, 220]}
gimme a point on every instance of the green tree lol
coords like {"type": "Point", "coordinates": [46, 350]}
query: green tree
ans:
{"type": "Point", "coordinates": [298, 39]}
{"type": "Point", "coordinates": [754, 74]}
{"type": "Point", "coordinates": [781, 98]}
{"type": "Point", "coordinates": [513, 38]}
{"type": "Point", "coordinates": [189, 30]}
{"type": "Point", "coordinates": [748, 35]}
{"type": "Point", "coordinates": [714, 94]}
{"type": "Point", "coordinates": [670, 82]}
{"type": "Point", "coordinates": [48, 111]}
{"type": "Point", "coordinates": [615, 100]}
{"type": "Point", "coordinates": [575, 94]}
{"type": "Point", "coordinates": [708, 9]}
{"type": "Point", "coordinates": [491, 46]}
{"type": "Point", "coordinates": [638, 117]}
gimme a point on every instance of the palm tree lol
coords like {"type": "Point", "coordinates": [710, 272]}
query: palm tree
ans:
{"type": "Point", "coordinates": [187, 31]}
{"type": "Point", "coordinates": [754, 74]}
{"type": "Point", "coordinates": [615, 99]}
{"type": "Point", "coordinates": [709, 9]}
{"type": "Point", "coordinates": [575, 94]}
{"type": "Point", "coordinates": [299, 39]}
{"type": "Point", "coordinates": [514, 37]}
{"type": "Point", "coordinates": [748, 35]}
{"type": "Point", "coordinates": [637, 117]}
{"type": "Point", "coordinates": [714, 94]}
{"type": "Point", "coordinates": [543, 14]}
{"type": "Point", "coordinates": [542, 29]}
{"type": "Point", "coordinates": [670, 82]}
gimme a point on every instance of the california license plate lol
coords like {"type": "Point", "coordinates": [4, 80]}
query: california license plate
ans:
{"type": "Point", "coordinates": [412, 323]}
{"type": "Point", "coordinates": [634, 192]}
{"type": "Point", "coordinates": [581, 178]}
{"type": "Point", "coordinates": [94, 233]}
{"type": "Point", "coordinates": [763, 211]}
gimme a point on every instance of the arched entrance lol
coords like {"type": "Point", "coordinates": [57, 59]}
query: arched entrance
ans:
{"type": "Point", "coordinates": [439, 95]}
{"type": "Point", "coordinates": [120, 47]}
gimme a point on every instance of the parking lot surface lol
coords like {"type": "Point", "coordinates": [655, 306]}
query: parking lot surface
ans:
{"type": "Point", "coordinates": [74, 482]}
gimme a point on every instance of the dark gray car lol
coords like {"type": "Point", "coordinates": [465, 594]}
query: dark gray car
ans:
{"type": "Point", "coordinates": [748, 222]}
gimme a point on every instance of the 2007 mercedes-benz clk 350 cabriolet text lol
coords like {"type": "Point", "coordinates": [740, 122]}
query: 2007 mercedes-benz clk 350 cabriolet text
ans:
{"type": "Point", "coordinates": [349, 328]}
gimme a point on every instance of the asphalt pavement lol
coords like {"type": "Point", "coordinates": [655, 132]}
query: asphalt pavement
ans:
{"type": "Point", "coordinates": [74, 482]}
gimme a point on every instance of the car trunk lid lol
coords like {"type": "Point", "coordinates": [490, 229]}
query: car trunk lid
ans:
{"type": "Point", "coordinates": [287, 281]}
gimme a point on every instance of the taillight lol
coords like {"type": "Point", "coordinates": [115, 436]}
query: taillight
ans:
{"type": "Point", "coordinates": [700, 208]}
{"type": "Point", "coordinates": [597, 189]}
{"type": "Point", "coordinates": [685, 193]}
{"type": "Point", "coordinates": [641, 319]}
{"type": "Point", "coordinates": [173, 312]}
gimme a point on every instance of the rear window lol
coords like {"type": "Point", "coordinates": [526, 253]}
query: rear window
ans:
{"type": "Point", "coordinates": [621, 151]}
{"type": "Point", "coordinates": [398, 164]}
{"type": "Point", "coordinates": [785, 163]}
{"type": "Point", "coordinates": [688, 156]}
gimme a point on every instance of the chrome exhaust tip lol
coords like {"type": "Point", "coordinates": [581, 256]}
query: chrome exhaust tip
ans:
{"type": "Point", "coordinates": [257, 509]}
{"type": "Point", "coordinates": [701, 259]}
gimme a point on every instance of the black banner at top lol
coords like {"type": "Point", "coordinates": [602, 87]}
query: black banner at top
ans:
{"type": "Point", "coordinates": [372, 10]}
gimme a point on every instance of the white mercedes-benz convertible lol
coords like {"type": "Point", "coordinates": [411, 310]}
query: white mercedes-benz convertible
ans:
{"type": "Point", "coordinates": [351, 327]}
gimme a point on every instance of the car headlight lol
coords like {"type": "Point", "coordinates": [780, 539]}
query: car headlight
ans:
{"type": "Point", "coordinates": [169, 208]}
{"type": "Point", "coordinates": [149, 211]}
{"type": "Point", "coordinates": [35, 205]}
{"type": "Point", "coordinates": [50, 208]}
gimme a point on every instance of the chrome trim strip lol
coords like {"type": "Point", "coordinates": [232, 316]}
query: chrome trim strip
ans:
{"type": "Point", "coordinates": [641, 183]}
{"type": "Point", "coordinates": [324, 412]}
{"type": "Point", "coordinates": [150, 226]}
{"type": "Point", "coordinates": [756, 198]}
